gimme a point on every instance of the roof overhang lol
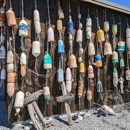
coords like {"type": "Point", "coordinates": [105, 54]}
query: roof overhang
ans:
{"type": "Point", "coordinates": [109, 5]}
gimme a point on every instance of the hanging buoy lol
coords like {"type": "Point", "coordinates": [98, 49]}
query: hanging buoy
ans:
{"type": "Point", "coordinates": [37, 21]}
{"type": "Point", "coordinates": [3, 74]}
{"type": "Point", "coordinates": [88, 22]}
{"type": "Point", "coordinates": [50, 34]}
{"type": "Point", "coordinates": [60, 75]}
{"type": "Point", "coordinates": [2, 52]}
{"type": "Point", "coordinates": [36, 48]}
{"type": "Point", "coordinates": [2, 37]}
{"type": "Point", "coordinates": [72, 61]}
{"type": "Point", "coordinates": [128, 33]}
{"type": "Point", "coordinates": [99, 87]}
{"type": "Point", "coordinates": [107, 49]}
{"type": "Point", "coordinates": [88, 32]}
{"type": "Point", "coordinates": [128, 43]}
{"type": "Point", "coordinates": [98, 60]}
{"type": "Point", "coordinates": [47, 61]}
{"type": "Point", "coordinates": [23, 28]}
{"type": "Point", "coordinates": [114, 29]}
{"type": "Point", "coordinates": [91, 49]}
{"type": "Point", "coordinates": [121, 47]}
{"type": "Point", "coordinates": [11, 20]}
{"type": "Point", "coordinates": [122, 63]}
{"type": "Point", "coordinates": [100, 35]}
{"type": "Point", "coordinates": [114, 57]}
{"type": "Point", "coordinates": [81, 51]}
{"type": "Point", "coordinates": [10, 67]}
{"type": "Point", "coordinates": [79, 36]}
{"type": "Point", "coordinates": [127, 74]}
{"type": "Point", "coordinates": [61, 48]}
{"type": "Point", "coordinates": [80, 59]}
{"type": "Point", "coordinates": [115, 77]}
{"type": "Point", "coordinates": [10, 89]}
{"type": "Point", "coordinates": [90, 72]}
{"type": "Point", "coordinates": [89, 95]}
{"type": "Point", "coordinates": [2, 16]}
{"type": "Point", "coordinates": [59, 25]}
{"type": "Point", "coordinates": [68, 86]}
{"type": "Point", "coordinates": [60, 13]}
{"type": "Point", "coordinates": [70, 27]}
{"type": "Point", "coordinates": [80, 88]}
{"type": "Point", "coordinates": [106, 26]}
{"type": "Point", "coordinates": [70, 37]}
{"type": "Point", "coordinates": [82, 67]}
{"type": "Point", "coordinates": [19, 101]}
{"type": "Point", "coordinates": [23, 70]}
{"type": "Point", "coordinates": [68, 74]}
{"type": "Point", "coordinates": [23, 59]}
{"type": "Point", "coordinates": [11, 77]}
{"type": "Point", "coordinates": [46, 91]}
{"type": "Point", "coordinates": [10, 57]}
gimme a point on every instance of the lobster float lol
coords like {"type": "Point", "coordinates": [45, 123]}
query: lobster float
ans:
{"type": "Point", "coordinates": [128, 53]}
{"type": "Point", "coordinates": [61, 48]}
{"type": "Point", "coordinates": [121, 49]}
{"type": "Point", "coordinates": [91, 48]}
{"type": "Point", "coordinates": [98, 64]}
{"type": "Point", "coordinates": [107, 45]}
{"type": "Point", "coordinates": [19, 100]}
{"type": "Point", "coordinates": [79, 40]}
{"type": "Point", "coordinates": [23, 32]}
{"type": "Point", "coordinates": [128, 37]}
{"type": "Point", "coordinates": [90, 77]}
{"type": "Point", "coordinates": [2, 22]}
{"type": "Point", "coordinates": [47, 59]}
{"type": "Point", "coordinates": [114, 56]}
{"type": "Point", "coordinates": [100, 34]}
{"type": "Point", "coordinates": [10, 70]}
{"type": "Point", "coordinates": [37, 26]}
{"type": "Point", "coordinates": [36, 45]}
{"type": "Point", "coordinates": [128, 72]}
{"type": "Point", "coordinates": [72, 58]}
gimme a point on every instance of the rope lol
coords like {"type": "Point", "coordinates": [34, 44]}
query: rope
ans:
{"type": "Point", "coordinates": [39, 75]}
{"type": "Point", "coordinates": [48, 13]}
{"type": "Point", "coordinates": [35, 2]}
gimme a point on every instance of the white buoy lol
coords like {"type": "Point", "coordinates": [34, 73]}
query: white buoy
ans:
{"type": "Point", "coordinates": [68, 86]}
{"type": "Point", "coordinates": [50, 35]}
{"type": "Point", "coordinates": [36, 48]}
{"type": "Point", "coordinates": [19, 101]}
{"type": "Point", "coordinates": [23, 28]}
{"type": "Point", "coordinates": [68, 74]}
{"type": "Point", "coordinates": [79, 36]}
{"type": "Point", "coordinates": [10, 57]}
{"type": "Point", "coordinates": [10, 67]}
{"type": "Point", "coordinates": [23, 60]}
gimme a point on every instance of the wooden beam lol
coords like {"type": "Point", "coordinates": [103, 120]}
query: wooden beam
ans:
{"type": "Point", "coordinates": [107, 6]}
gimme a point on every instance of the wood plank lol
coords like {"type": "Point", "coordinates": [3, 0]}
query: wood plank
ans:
{"type": "Point", "coordinates": [67, 107]}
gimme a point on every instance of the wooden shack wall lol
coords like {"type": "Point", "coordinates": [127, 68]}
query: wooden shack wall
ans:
{"type": "Point", "coordinates": [34, 83]}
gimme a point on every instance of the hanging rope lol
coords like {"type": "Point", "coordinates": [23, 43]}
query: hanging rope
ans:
{"type": "Point", "coordinates": [39, 75]}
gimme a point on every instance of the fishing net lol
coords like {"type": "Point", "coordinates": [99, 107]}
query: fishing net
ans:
{"type": "Point", "coordinates": [110, 98]}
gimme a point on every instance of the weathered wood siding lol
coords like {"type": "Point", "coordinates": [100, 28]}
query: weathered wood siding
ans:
{"type": "Point", "coordinates": [34, 83]}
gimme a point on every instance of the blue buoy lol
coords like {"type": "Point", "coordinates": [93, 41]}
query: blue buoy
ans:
{"type": "Point", "coordinates": [61, 49]}
{"type": "Point", "coordinates": [70, 27]}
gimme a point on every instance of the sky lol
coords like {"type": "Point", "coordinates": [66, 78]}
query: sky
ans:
{"type": "Point", "coordinates": [125, 3]}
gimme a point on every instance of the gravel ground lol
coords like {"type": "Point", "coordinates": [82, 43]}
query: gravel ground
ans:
{"type": "Point", "coordinates": [120, 121]}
